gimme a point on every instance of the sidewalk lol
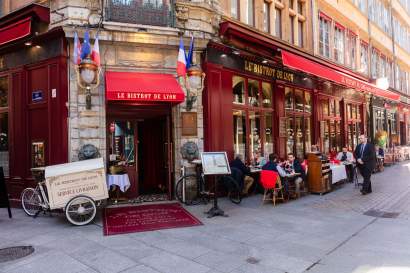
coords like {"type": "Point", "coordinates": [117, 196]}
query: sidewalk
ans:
{"type": "Point", "coordinates": [319, 234]}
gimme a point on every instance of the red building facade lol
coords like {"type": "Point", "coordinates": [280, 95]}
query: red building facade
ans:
{"type": "Point", "coordinates": [33, 91]}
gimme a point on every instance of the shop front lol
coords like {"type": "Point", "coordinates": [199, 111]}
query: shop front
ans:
{"type": "Point", "coordinates": [33, 96]}
{"type": "Point", "coordinates": [254, 107]}
{"type": "Point", "coordinates": [265, 96]}
{"type": "Point", "coordinates": [139, 129]}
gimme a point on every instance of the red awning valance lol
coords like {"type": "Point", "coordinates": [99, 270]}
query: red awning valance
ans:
{"type": "Point", "coordinates": [15, 31]}
{"type": "Point", "coordinates": [142, 87]}
{"type": "Point", "coordinates": [308, 66]}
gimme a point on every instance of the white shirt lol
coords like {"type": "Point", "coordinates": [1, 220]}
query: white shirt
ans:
{"type": "Point", "coordinates": [349, 156]}
{"type": "Point", "coordinates": [281, 171]}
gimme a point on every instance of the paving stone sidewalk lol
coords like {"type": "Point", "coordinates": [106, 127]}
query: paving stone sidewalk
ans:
{"type": "Point", "coordinates": [319, 234]}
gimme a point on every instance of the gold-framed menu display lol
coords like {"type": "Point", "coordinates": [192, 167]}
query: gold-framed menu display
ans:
{"type": "Point", "coordinates": [215, 163]}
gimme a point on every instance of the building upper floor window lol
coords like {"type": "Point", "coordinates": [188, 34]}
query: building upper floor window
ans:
{"type": "Point", "coordinates": [375, 73]}
{"type": "Point", "coordinates": [266, 17]}
{"type": "Point", "coordinates": [361, 4]}
{"type": "Point", "coordinates": [364, 58]}
{"type": "Point", "coordinates": [235, 9]}
{"type": "Point", "coordinates": [292, 29]}
{"type": "Point", "coordinates": [324, 36]}
{"type": "Point", "coordinates": [339, 43]}
{"type": "Point", "coordinates": [351, 39]}
{"type": "Point", "coordinates": [146, 12]}
{"type": "Point", "coordinates": [380, 14]}
{"type": "Point", "coordinates": [278, 22]}
{"type": "Point", "coordinates": [300, 33]}
{"type": "Point", "coordinates": [249, 12]}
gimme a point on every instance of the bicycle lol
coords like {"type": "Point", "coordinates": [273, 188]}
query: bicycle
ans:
{"type": "Point", "coordinates": [198, 193]}
{"type": "Point", "coordinates": [79, 210]}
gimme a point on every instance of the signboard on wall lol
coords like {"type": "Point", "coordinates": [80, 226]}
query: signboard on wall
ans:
{"type": "Point", "coordinates": [189, 124]}
{"type": "Point", "coordinates": [66, 181]}
{"type": "Point", "coordinates": [36, 96]}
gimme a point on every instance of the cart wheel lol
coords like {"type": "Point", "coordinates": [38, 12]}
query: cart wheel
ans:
{"type": "Point", "coordinates": [30, 201]}
{"type": "Point", "coordinates": [80, 210]}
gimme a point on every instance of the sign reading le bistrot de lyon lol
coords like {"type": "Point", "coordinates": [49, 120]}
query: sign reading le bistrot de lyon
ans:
{"type": "Point", "coordinates": [66, 181]}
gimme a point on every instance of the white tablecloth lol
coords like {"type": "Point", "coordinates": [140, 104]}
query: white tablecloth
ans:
{"type": "Point", "coordinates": [338, 173]}
{"type": "Point", "coordinates": [120, 180]}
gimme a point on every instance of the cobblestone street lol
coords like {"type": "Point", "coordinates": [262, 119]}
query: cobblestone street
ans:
{"type": "Point", "coordinates": [319, 234]}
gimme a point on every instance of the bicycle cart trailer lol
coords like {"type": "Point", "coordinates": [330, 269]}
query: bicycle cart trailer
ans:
{"type": "Point", "coordinates": [74, 187]}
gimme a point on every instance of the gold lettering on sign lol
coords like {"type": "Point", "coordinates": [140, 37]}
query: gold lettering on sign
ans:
{"type": "Point", "coordinates": [262, 70]}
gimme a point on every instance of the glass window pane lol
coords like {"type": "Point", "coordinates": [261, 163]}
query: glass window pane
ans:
{"type": "Point", "coordinates": [268, 148]}
{"type": "Point", "coordinates": [234, 9]}
{"type": "Point", "coordinates": [338, 137]}
{"type": "Point", "coordinates": [326, 138]}
{"type": "Point", "coordinates": [239, 132]}
{"type": "Point", "coordinates": [354, 113]}
{"type": "Point", "coordinates": [325, 107]}
{"type": "Point", "coordinates": [290, 137]}
{"type": "Point", "coordinates": [299, 100]}
{"type": "Point", "coordinates": [238, 89]}
{"type": "Point", "coordinates": [255, 144]}
{"type": "Point", "coordinates": [299, 137]}
{"type": "Point", "coordinates": [337, 108]}
{"type": "Point", "coordinates": [288, 98]}
{"type": "Point", "coordinates": [358, 112]}
{"type": "Point", "coordinates": [307, 133]}
{"type": "Point", "coordinates": [332, 107]}
{"type": "Point", "coordinates": [308, 102]}
{"type": "Point", "coordinates": [4, 92]}
{"type": "Point", "coordinates": [332, 135]}
{"type": "Point", "coordinates": [253, 92]}
{"type": "Point", "coordinates": [122, 142]}
{"type": "Point", "coordinates": [278, 22]}
{"type": "Point", "coordinates": [4, 143]}
{"type": "Point", "coordinates": [349, 111]}
{"type": "Point", "coordinates": [267, 95]}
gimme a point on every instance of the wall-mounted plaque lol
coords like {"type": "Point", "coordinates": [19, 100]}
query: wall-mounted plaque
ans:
{"type": "Point", "coordinates": [189, 124]}
{"type": "Point", "coordinates": [215, 163]}
{"type": "Point", "coordinates": [282, 127]}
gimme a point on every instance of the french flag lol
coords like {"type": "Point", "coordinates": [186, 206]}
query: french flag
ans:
{"type": "Point", "coordinates": [95, 54]}
{"type": "Point", "coordinates": [76, 50]}
{"type": "Point", "coordinates": [181, 62]}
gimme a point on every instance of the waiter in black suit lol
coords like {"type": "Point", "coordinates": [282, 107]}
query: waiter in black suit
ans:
{"type": "Point", "coordinates": [366, 161]}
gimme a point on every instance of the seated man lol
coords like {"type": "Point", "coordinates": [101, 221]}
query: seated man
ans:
{"type": "Point", "coordinates": [247, 179]}
{"type": "Point", "coordinates": [347, 157]}
{"type": "Point", "coordinates": [296, 167]}
{"type": "Point", "coordinates": [273, 165]}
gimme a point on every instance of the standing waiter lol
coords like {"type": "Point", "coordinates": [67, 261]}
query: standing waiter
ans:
{"type": "Point", "coordinates": [366, 160]}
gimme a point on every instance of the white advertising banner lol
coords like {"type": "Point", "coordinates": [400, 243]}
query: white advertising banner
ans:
{"type": "Point", "coordinates": [66, 181]}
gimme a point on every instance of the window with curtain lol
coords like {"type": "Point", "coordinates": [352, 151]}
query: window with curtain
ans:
{"type": "Point", "coordinates": [278, 22]}
{"type": "Point", "coordinates": [300, 33]}
{"type": "Point", "coordinates": [292, 29]}
{"type": "Point", "coordinates": [330, 125]}
{"type": "Point", "coordinates": [339, 44]}
{"type": "Point", "coordinates": [351, 50]}
{"type": "Point", "coordinates": [235, 9]}
{"type": "Point", "coordinates": [266, 17]}
{"type": "Point", "coordinates": [249, 11]}
{"type": "Point", "coordinates": [364, 58]}
{"type": "Point", "coordinates": [324, 37]}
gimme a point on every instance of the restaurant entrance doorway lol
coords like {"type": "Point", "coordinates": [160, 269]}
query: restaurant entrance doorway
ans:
{"type": "Point", "coordinates": [140, 140]}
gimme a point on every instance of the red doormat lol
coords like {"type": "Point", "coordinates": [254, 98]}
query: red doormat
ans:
{"type": "Point", "coordinates": [119, 220]}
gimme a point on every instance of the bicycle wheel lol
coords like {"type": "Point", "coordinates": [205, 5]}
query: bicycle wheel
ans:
{"type": "Point", "coordinates": [186, 190]}
{"type": "Point", "coordinates": [31, 201]}
{"type": "Point", "coordinates": [234, 191]}
{"type": "Point", "coordinates": [80, 210]}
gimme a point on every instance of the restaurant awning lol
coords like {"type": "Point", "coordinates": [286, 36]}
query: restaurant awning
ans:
{"type": "Point", "coordinates": [308, 66]}
{"type": "Point", "coordinates": [142, 87]}
{"type": "Point", "coordinates": [15, 31]}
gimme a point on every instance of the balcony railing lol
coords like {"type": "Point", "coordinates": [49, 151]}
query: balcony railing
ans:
{"type": "Point", "coordinates": [144, 12]}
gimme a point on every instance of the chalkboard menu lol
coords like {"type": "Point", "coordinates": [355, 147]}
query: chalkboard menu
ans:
{"type": "Point", "coordinates": [4, 197]}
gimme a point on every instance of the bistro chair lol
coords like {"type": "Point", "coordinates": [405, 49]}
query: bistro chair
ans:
{"type": "Point", "coordinates": [355, 176]}
{"type": "Point", "coordinates": [270, 181]}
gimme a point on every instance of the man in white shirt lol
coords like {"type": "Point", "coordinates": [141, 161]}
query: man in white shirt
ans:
{"type": "Point", "coordinates": [347, 157]}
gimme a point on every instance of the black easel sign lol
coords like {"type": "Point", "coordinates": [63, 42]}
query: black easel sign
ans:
{"type": "Point", "coordinates": [4, 197]}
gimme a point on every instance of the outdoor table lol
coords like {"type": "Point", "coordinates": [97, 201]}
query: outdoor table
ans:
{"type": "Point", "coordinates": [338, 173]}
{"type": "Point", "coordinates": [120, 180]}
